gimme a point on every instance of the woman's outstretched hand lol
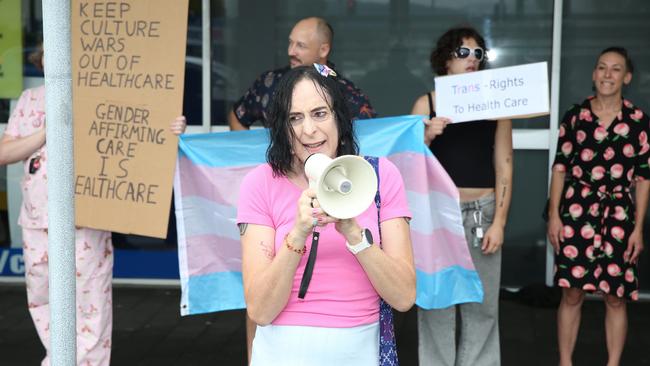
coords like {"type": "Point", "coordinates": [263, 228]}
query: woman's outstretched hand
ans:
{"type": "Point", "coordinates": [178, 125]}
{"type": "Point", "coordinates": [434, 127]}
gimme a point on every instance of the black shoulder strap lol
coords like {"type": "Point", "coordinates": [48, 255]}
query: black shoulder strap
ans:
{"type": "Point", "coordinates": [432, 113]}
{"type": "Point", "coordinates": [374, 161]}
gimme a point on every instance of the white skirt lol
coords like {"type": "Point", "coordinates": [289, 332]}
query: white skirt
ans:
{"type": "Point", "coordinates": [289, 345]}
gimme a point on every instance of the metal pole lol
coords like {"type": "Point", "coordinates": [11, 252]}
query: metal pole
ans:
{"type": "Point", "coordinates": [555, 110]}
{"type": "Point", "coordinates": [60, 206]}
{"type": "Point", "coordinates": [207, 65]}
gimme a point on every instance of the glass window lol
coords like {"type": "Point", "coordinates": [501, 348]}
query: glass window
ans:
{"type": "Point", "coordinates": [223, 77]}
{"type": "Point", "coordinates": [32, 31]}
{"type": "Point", "coordinates": [4, 110]}
{"type": "Point", "coordinates": [524, 248]}
{"type": "Point", "coordinates": [32, 23]}
{"type": "Point", "coordinates": [5, 238]}
{"type": "Point", "coordinates": [382, 46]}
{"type": "Point", "coordinates": [193, 92]}
{"type": "Point", "coordinates": [591, 26]}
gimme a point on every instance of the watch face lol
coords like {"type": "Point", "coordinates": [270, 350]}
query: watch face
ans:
{"type": "Point", "coordinates": [368, 235]}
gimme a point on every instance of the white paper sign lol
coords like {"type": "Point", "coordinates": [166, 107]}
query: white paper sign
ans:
{"type": "Point", "coordinates": [507, 92]}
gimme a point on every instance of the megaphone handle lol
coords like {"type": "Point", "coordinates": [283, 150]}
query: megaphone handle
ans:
{"type": "Point", "coordinates": [309, 267]}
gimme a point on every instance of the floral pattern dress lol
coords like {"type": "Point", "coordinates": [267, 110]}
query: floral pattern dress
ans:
{"type": "Point", "coordinates": [596, 207]}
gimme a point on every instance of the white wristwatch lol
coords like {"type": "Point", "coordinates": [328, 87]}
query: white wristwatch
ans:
{"type": "Point", "coordinates": [366, 242]}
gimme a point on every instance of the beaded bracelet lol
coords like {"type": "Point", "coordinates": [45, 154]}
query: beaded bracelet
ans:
{"type": "Point", "coordinates": [300, 251]}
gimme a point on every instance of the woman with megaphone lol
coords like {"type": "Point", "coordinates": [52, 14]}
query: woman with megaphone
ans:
{"type": "Point", "coordinates": [324, 311]}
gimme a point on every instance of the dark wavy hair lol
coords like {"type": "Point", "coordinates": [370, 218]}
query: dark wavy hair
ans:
{"type": "Point", "coordinates": [448, 43]}
{"type": "Point", "coordinates": [629, 66]}
{"type": "Point", "coordinates": [279, 154]}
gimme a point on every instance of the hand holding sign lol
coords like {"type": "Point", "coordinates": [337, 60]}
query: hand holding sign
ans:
{"type": "Point", "coordinates": [177, 127]}
{"type": "Point", "coordinates": [508, 92]}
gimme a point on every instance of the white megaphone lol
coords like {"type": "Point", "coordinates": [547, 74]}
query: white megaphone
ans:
{"type": "Point", "coordinates": [345, 187]}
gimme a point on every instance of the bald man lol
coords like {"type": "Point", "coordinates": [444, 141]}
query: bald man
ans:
{"type": "Point", "coordinates": [310, 42]}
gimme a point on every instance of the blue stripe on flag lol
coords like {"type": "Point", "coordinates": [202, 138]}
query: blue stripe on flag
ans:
{"type": "Point", "coordinates": [215, 292]}
{"type": "Point", "coordinates": [391, 135]}
{"type": "Point", "coordinates": [224, 149]}
{"type": "Point", "coordinates": [224, 291]}
{"type": "Point", "coordinates": [455, 284]}
{"type": "Point", "coordinates": [377, 137]}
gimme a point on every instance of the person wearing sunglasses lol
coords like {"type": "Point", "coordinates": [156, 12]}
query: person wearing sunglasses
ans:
{"type": "Point", "coordinates": [477, 156]}
{"type": "Point", "coordinates": [596, 220]}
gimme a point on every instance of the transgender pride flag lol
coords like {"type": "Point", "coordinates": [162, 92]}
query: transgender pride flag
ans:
{"type": "Point", "coordinates": [212, 166]}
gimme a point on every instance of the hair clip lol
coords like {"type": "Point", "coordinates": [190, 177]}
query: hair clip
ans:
{"type": "Point", "coordinates": [324, 70]}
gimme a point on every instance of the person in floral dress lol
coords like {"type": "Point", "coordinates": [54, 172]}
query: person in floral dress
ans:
{"type": "Point", "coordinates": [595, 225]}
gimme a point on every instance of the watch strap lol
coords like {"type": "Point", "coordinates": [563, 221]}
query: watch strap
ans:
{"type": "Point", "coordinates": [361, 246]}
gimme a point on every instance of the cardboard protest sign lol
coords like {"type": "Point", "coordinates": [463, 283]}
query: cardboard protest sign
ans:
{"type": "Point", "coordinates": [11, 49]}
{"type": "Point", "coordinates": [128, 62]}
{"type": "Point", "coordinates": [508, 92]}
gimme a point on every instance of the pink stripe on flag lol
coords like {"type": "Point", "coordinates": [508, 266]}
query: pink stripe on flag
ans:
{"type": "Point", "coordinates": [212, 253]}
{"type": "Point", "coordinates": [220, 185]}
{"type": "Point", "coordinates": [421, 174]}
{"type": "Point", "coordinates": [439, 250]}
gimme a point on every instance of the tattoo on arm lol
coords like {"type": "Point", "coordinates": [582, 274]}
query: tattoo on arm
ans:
{"type": "Point", "coordinates": [267, 250]}
{"type": "Point", "coordinates": [504, 183]}
{"type": "Point", "coordinates": [242, 228]}
{"type": "Point", "coordinates": [408, 221]}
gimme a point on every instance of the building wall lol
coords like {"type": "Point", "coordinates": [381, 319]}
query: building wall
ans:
{"type": "Point", "coordinates": [383, 46]}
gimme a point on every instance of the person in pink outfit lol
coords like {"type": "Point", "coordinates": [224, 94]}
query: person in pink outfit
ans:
{"type": "Point", "coordinates": [24, 140]}
{"type": "Point", "coordinates": [336, 319]}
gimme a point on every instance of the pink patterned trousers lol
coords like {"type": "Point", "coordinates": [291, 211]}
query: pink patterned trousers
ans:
{"type": "Point", "coordinates": [94, 265]}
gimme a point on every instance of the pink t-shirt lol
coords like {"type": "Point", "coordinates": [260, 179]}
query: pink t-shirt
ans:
{"type": "Point", "coordinates": [340, 293]}
{"type": "Point", "coordinates": [28, 118]}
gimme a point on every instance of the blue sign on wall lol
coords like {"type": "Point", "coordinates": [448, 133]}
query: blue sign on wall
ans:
{"type": "Point", "coordinates": [129, 263]}
{"type": "Point", "coordinates": [11, 262]}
